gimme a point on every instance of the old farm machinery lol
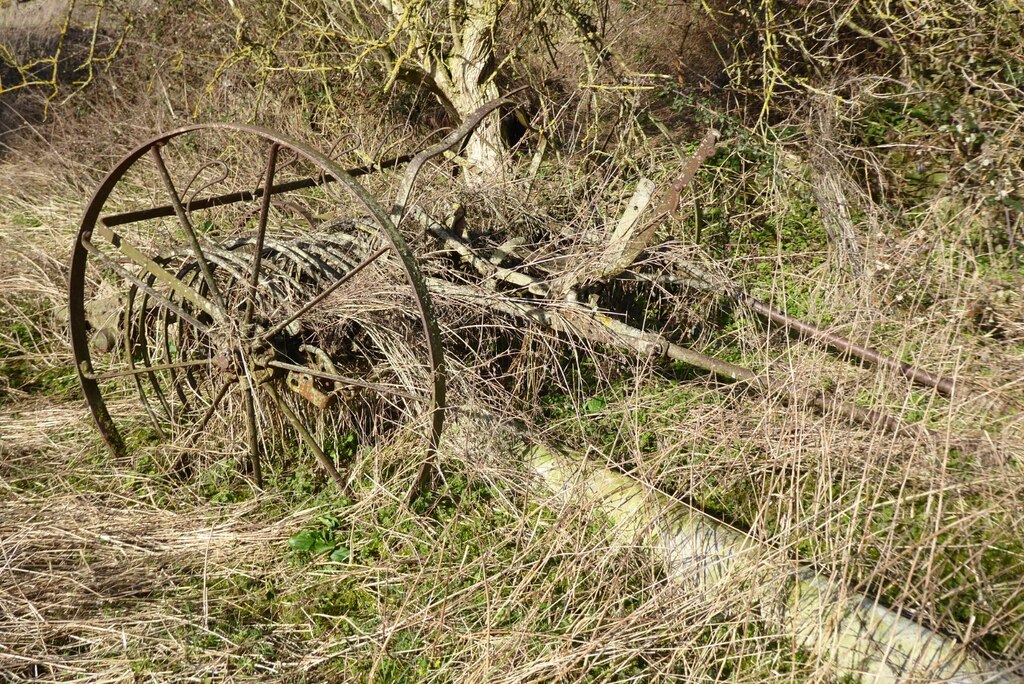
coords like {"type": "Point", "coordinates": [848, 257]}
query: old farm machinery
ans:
{"type": "Point", "coordinates": [262, 299]}
{"type": "Point", "coordinates": [197, 291]}
{"type": "Point", "coordinates": [236, 296]}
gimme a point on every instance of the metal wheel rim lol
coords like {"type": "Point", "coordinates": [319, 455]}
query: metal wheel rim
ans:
{"type": "Point", "coordinates": [330, 172]}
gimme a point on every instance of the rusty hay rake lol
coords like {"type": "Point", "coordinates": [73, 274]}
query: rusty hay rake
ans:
{"type": "Point", "coordinates": [262, 299]}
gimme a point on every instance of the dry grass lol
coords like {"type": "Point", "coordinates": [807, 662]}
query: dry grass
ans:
{"type": "Point", "coordinates": [101, 581]}
{"type": "Point", "coordinates": [112, 572]}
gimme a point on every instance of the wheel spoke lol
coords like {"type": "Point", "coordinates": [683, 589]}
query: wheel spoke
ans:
{"type": "Point", "coordinates": [306, 436]}
{"type": "Point", "coordinates": [261, 233]}
{"type": "Point", "coordinates": [394, 390]}
{"type": "Point", "coordinates": [140, 370]}
{"type": "Point", "coordinates": [326, 293]}
{"type": "Point", "coordinates": [190, 231]}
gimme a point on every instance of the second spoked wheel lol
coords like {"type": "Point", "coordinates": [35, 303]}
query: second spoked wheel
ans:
{"type": "Point", "coordinates": [237, 295]}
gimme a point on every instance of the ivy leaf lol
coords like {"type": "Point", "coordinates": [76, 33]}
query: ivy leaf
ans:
{"type": "Point", "coordinates": [302, 541]}
{"type": "Point", "coordinates": [340, 554]}
{"type": "Point", "coordinates": [594, 405]}
{"type": "Point", "coordinates": [329, 521]}
{"type": "Point", "coordinates": [323, 546]}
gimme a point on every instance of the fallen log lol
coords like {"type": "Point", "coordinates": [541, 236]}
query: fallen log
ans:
{"type": "Point", "coordinates": [852, 632]}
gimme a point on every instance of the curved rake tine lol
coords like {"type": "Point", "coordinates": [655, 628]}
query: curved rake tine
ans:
{"type": "Point", "coordinates": [189, 198]}
{"type": "Point", "coordinates": [142, 343]}
{"type": "Point", "coordinates": [384, 145]}
{"type": "Point", "coordinates": [335, 155]}
{"type": "Point", "coordinates": [286, 159]}
{"type": "Point", "coordinates": [333, 152]}
{"type": "Point", "coordinates": [450, 141]}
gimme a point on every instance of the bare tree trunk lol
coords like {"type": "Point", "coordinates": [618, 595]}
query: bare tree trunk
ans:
{"type": "Point", "coordinates": [460, 75]}
{"type": "Point", "coordinates": [470, 66]}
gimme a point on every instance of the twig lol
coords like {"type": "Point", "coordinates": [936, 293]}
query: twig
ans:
{"type": "Point", "coordinates": [670, 203]}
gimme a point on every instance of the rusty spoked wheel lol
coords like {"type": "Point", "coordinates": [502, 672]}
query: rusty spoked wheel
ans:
{"type": "Point", "coordinates": [236, 295]}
